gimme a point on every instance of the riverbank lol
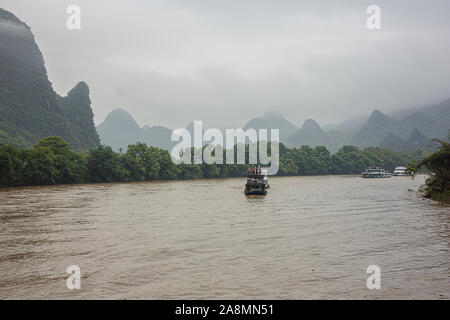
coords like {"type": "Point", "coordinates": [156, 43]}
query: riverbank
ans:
{"type": "Point", "coordinates": [441, 197]}
{"type": "Point", "coordinates": [437, 186]}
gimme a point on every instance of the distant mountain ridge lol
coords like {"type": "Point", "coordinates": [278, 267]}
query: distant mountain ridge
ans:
{"type": "Point", "coordinates": [412, 132]}
{"type": "Point", "coordinates": [373, 130]}
{"type": "Point", "coordinates": [120, 129]}
{"type": "Point", "coordinates": [272, 120]}
{"type": "Point", "coordinates": [425, 123]}
{"type": "Point", "coordinates": [379, 130]}
{"type": "Point", "coordinates": [29, 108]}
{"type": "Point", "coordinates": [311, 134]}
{"type": "Point", "coordinates": [416, 141]}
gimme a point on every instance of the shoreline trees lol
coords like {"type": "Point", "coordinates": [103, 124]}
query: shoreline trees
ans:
{"type": "Point", "coordinates": [52, 161]}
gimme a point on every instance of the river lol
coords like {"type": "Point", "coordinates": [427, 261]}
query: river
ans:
{"type": "Point", "coordinates": [309, 238]}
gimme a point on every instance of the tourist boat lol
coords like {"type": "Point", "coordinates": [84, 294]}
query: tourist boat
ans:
{"type": "Point", "coordinates": [400, 171]}
{"type": "Point", "coordinates": [375, 172]}
{"type": "Point", "coordinates": [257, 182]}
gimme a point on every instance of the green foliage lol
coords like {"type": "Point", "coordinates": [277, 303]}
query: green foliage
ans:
{"type": "Point", "coordinates": [39, 167]}
{"type": "Point", "coordinates": [53, 161]}
{"type": "Point", "coordinates": [69, 166]}
{"type": "Point", "coordinates": [104, 165]}
{"type": "Point", "coordinates": [437, 186]}
{"type": "Point", "coordinates": [190, 171]}
{"type": "Point", "coordinates": [412, 168]}
{"type": "Point", "coordinates": [76, 107]}
{"type": "Point", "coordinates": [10, 166]}
{"type": "Point", "coordinates": [168, 170]}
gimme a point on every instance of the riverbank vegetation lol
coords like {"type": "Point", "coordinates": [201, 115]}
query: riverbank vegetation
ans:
{"type": "Point", "coordinates": [53, 161]}
{"type": "Point", "coordinates": [437, 165]}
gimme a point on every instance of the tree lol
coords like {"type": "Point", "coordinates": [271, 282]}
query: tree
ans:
{"type": "Point", "coordinates": [190, 171]}
{"type": "Point", "coordinates": [104, 165]}
{"type": "Point", "coordinates": [69, 166]}
{"type": "Point", "coordinates": [10, 166]}
{"type": "Point", "coordinates": [168, 170]}
{"type": "Point", "coordinates": [437, 186]}
{"type": "Point", "coordinates": [52, 161]}
{"type": "Point", "coordinates": [348, 160]}
{"type": "Point", "coordinates": [134, 161]}
{"type": "Point", "coordinates": [412, 168]}
{"type": "Point", "coordinates": [39, 167]}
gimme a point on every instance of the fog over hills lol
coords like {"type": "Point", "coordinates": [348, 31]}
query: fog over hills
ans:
{"type": "Point", "coordinates": [272, 120]}
{"type": "Point", "coordinates": [120, 129]}
{"type": "Point", "coordinates": [226, 62]}
{"type": "Point", "coordinates": [29, 107]}
{"type": "Point", "coordinates": [312, 134]}
{"type": "Point", "coordinates": [352, 124]}
{"type": "Point", "coordinates": [432, 122]}
{"type": "Point", "coordinates": [412, 132]}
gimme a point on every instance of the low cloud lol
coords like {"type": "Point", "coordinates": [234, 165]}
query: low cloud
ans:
{"type": "Point", "coordinates": [171, 61]}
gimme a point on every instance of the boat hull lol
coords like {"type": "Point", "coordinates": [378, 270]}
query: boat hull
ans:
{"type": "Point", "coordinates": [260, 193]}
{"type": "Point", "coordinates": [375, 176]}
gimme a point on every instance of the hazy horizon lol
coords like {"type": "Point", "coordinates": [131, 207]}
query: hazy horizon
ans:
{"type": "Point", "coordinates": [168, 62]}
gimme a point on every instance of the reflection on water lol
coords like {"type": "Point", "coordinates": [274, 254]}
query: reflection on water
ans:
{"type": "Point", "coordinates": [311, 237]}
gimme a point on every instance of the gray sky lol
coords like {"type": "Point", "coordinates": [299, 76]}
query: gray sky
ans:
{"type": "Point", "coordinates": [224, 61]}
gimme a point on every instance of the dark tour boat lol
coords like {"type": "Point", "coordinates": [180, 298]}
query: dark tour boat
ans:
{"type": "Point", "coordinates": [257, 182]}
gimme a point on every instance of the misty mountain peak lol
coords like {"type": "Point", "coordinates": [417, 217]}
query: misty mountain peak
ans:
{"type": "Point", "coordinates": [272, 120]}
{"type": "Point", "coordinates": [119, 130]}
{"type": "Point", "coordinates": [79, 94]}
{"type": "Point", "coordinates": [417, 137]}
{"type": "Point", "coordinates": [81, 89]}
{"type": "Point", "coordinates": [120, 112]}
{"type": "Point", "coordinates": [379, 121]}
{"type": "Point", "coordinates": [377, 115]}
{"type": "Point", "coordinates": [311, 125]}
{"type": "Point", "coordinates": [120, 117]}
{"type": "Point", "coordinates": [29, 107]}
{"type": "Point", "coordinates": [10, 17]}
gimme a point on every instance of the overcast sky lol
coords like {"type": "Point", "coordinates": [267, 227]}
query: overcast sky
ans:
{"type": "Point", "coordinates": [224, 61]}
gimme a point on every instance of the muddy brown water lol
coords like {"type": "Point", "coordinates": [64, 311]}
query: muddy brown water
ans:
{"type": "Point", "coordinates": [310, 237]}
